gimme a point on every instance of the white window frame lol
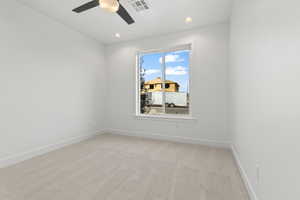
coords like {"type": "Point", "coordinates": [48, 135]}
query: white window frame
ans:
{"type": "Point", "coordinates": [137, 89]}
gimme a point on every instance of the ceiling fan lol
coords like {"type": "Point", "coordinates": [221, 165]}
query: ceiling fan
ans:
{"type": "Point", "coordinates": [109, 5]}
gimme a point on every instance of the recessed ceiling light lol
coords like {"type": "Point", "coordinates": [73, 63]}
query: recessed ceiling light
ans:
{"type": "Point", "coordinates": [117, 35]}
{"type": "Point", "coordinates": [188, 20]}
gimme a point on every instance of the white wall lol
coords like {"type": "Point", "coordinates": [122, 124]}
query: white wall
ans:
{"type": "Point", "coordinates": [265, 95]}
{"type": "Point", "coordinates": [52, 82]}
{"type": "Point", "coordinates": [209, 85]}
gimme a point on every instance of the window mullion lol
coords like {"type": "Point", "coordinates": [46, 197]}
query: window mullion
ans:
{"type": "Point", "coordinates": [163, 82]}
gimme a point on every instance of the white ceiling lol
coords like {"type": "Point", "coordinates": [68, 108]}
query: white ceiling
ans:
{"type": "Point", "coordinates": [164, 16]}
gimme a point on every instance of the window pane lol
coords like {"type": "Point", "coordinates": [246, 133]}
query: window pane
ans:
{"type": "Point", "coordinates": [177, 82]}
{"type": "Point", "coordinates": [151, 96]}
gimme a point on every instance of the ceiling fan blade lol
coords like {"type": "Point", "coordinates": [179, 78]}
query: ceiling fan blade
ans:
{"type": "Point", "coordinates": [125, 15]}
{"type": "Point", "coordinates": [86, 6]}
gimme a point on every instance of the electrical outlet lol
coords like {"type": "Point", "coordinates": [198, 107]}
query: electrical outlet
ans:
{"type": "Point", "coordinates": [259, 179]}
{"type": "Point", "coordinates": [257, 174]}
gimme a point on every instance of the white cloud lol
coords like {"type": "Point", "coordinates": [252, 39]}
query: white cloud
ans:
{"type": "Point", "coordinates": [179, 70]}
{"type": "Point", "coordinates": [171, 58]}
{"type": "Point", "coordinates": [152, 71]}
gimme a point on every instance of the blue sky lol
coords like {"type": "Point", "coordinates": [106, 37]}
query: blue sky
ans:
{"type": "Point", "coordinates": [177, 67]}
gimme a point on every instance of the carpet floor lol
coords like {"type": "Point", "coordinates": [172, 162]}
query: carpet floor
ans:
{"type": "Point", "coordinates": [112, 167]}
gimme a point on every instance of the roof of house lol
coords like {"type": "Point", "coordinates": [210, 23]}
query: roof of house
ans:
{"type": "Point", "coordinates": [159, 81]}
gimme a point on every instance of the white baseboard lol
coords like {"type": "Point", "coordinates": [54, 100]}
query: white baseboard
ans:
{"type": "Point", "coordinates": [249, 187]}
{"type": "Point", "coordinates": [219, 144]}
{"type": "Point", "coordinates": [13, 159]}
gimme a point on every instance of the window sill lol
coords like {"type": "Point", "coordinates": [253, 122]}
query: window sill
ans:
{"type": "Point", "coordinates": [165, 117]}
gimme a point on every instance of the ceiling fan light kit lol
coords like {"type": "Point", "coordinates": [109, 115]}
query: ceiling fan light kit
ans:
{"type": "Point", "coordinates": [109, 5]}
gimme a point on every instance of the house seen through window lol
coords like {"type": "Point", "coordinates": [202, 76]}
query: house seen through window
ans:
{"type": "Point", "coordinates": [164, 82]}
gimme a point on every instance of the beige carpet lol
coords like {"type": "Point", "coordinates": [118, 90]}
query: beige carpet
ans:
{"type": "Point", "coordinates": [110, 167]}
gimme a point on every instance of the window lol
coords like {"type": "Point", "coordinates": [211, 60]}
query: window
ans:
{"type": "Point", "coordinates": [163, 82]}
